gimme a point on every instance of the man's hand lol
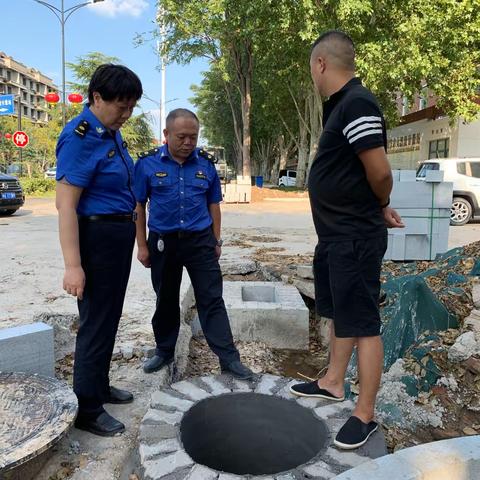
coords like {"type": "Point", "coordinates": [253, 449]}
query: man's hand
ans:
{"type": "Point", "coordinates": [392, 218]}
{"type": "Point", "coordinates": [74, 281]}
{"type": "Point", "coordinates": [143, 256]}
{"type": "Point", "coordinates": [218, 251]}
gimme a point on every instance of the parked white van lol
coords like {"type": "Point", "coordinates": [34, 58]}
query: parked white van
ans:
{"type": "Point", "coordinates": [465, 175]}
{"type": "Point", "coordinates": [287, 178]}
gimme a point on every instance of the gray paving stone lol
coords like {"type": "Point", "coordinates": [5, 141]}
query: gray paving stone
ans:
{"type": "Point", "coordinates": [229, 476]}
{"type": "Point", "coordinates": [216, 387]}
{"type": "Point", "coordinates": [319, 469]}
{"type": "Point", "coordinates": [284, 392]}
{"type": "Point", "coordinates": [309, 402]}
{"type": "Point", "coordinates": [200, 472]}
{"type": "Point", "coordinates": [346, 458]}
{"type": "Point", "coordinates": [157, 417]}
{"type": "Point", "coordinates": [241, 386]}
{"type": "Point", "coordinates": [267, 384]}
{"type": "Point", "coordinates": [162, 399]}
{"type": "Point", "coordinates": [156, 469]}
{"type": "Point", "coordinates": [150, 434]}
{"type": "Point", "coordinates": [147, 452]}
{"type": "Point", "coordinates": [333, 409]}
{"type": "Point", "coordinates": [190, 390]}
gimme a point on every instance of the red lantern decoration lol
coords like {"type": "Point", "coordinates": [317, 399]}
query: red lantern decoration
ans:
{"type": "Point", "coordinates": [75, 98]}
{"type": "Point", "coordinates": [52, 97]}
{"type": "Point", "coordinates": [8, 135]}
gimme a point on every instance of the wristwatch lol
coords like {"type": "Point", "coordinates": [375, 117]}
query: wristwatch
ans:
{"type": "Point", "coordinates": [385, 205]}
{"type": "Point", "coordinates": [219, 242]}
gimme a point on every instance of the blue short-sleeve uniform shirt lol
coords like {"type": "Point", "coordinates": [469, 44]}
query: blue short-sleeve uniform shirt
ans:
{"type": "Point", "coordinates": [92, 157]}
{"type": "Point", "coordinates": [179, 194]}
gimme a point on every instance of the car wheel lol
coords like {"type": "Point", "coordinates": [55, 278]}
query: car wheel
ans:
{"type": "Point", "coordinates": [461, 211]}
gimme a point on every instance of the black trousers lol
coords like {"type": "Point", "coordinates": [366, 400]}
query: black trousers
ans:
{"type": "Point", "coordinates": [196, 252]}
{"type": "Point", "coordinates": [106, 253]}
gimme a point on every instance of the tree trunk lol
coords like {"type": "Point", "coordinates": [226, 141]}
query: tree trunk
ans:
{"type": "Point", "coordinates": [302, 149]}
{"type": "Point", "coordinates": [316, 112]}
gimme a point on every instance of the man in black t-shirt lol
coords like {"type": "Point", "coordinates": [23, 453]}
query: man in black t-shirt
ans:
{"type": "Point", "coordinates": [349, 185]}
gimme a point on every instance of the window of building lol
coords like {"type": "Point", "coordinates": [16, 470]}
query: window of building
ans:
{"type": "Point", "coordinates": [423, 99]}
{"type": "Point", "coordinates": [25, 110]}
{"type": "Point", "coordinates": [475, 168]}
{"type": "Point", "coordinates": [9, 89]}
{"type": "Point", "coordinates": [24, 81]}
{"type": "Point", "coordinates": [462, 168]}
{"type": "Point", "coordinates": [438, 148]}
{"type": "Point", "coordinates": [32, 98]}
{"type": "Point", "coordinates": [24, 95]}
{"type": "Point", "coordinates": [9, 75]}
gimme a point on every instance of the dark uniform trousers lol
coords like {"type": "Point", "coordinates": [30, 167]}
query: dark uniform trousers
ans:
{"type": "Point", "coordinates": [195, 251]}
{"type": "Point", "coordinates": [106, 252]}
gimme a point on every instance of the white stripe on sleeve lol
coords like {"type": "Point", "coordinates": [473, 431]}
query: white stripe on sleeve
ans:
{"type": "Point", "coordinates": [364, 134]}
{"type": "Point", "coordinates": [360, 120]}
{"type": "Point", "coordinates": [363, 126]}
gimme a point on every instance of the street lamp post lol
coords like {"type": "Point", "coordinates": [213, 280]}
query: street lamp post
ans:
{"type": "Point", "coordinates": [63, 15]}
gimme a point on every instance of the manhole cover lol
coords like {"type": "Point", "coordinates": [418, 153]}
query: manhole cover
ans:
{"type": "Point", "coordinates": [35, 412]}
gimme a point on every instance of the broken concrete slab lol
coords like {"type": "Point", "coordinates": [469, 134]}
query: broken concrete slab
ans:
{"type": "Point", "coordinates": [28, 349]}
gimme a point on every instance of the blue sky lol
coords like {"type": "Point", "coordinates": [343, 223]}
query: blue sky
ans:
{"type": "Point", "coordinates": [31, 34]}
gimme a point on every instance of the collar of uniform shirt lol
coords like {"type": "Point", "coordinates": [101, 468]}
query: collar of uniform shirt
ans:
{"type": "Point", "coordinates": [165, 153]}
{"type": "Point", "coordinates": [95, 124]}
{"type": "Point", "coordinates": [354, 81]}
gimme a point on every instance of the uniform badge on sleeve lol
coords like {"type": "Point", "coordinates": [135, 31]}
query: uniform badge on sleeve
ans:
{"type": "Point", "coordinates": [125, 144]}
{"type": "Point", "coordinates": [82, 128]}
{"type": "Point", "coordinates": [161, 174]}
{"type": "Point", "coordinates": [201, 175]}
{"type": "Point", "coordinates": [100, 130]}
{"type": "Point", "coordinates": [111, 153]}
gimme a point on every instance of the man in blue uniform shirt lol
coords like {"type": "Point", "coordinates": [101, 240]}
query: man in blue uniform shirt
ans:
{"type": "Point", "coordinates": [183, 188]}
{"type": "Point", "coordinates": [96, 203]}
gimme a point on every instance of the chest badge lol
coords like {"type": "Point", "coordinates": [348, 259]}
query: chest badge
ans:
{"type": "Point", "coordinates": [99, 130]}
{"type": "Point", "coordinates": [200, 175]}
{"type": "Point", "coordinates": [161, 174]}
{"type": "Point", "coordinates": [111, 153]}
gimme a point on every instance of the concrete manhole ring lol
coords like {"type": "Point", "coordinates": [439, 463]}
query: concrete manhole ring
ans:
{"type": "Point", "coordinates": [182, 437]}
{"type": "Point", "coordinates": [35, 412]}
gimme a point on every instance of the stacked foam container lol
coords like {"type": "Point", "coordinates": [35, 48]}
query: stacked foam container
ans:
{"type": "Point", "coordinates": [425, 210]}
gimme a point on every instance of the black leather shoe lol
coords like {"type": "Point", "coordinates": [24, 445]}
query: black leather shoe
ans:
{"type": "Point", "coordinates": [156, 363]}
{"type": "Point", "coordinates": [119, 396]}
{"type": "Point", "coordinates": [238, 370]}
{"type": "Point", "coordinates": [104, 425]}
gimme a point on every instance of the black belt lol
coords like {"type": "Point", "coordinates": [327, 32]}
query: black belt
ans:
{"type": "Point", "coordinates": [182, 233]}
{"type": "Point", "coordinates": [110, 217]}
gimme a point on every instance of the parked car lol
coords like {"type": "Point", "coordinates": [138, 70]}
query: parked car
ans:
{"type": "Point", "coordinates": [287, 178]}
{"type": "Point", "coordinates": [50, 172]}
{"type": "Point", "coordinates": [11, 195]}
{"type": "Point", "coordinates": [465, 175]}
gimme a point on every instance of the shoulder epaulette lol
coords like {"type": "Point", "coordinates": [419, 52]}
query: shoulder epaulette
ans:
{"type": "Point", "coordinates": [82, 128]}
{"type": "Point", "coordinates": [152, 151]}
{"type": "Point", "coordinates": [207, 155]}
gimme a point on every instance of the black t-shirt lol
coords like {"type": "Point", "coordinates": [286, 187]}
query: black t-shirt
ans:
{"type": "Point", "coordinates": [343, 204]}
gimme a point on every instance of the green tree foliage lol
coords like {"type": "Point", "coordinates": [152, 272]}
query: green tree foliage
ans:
{"type": "Point", "coordinates": [136, 131]}
{"type": "Point", "coordinates": [402, 46]}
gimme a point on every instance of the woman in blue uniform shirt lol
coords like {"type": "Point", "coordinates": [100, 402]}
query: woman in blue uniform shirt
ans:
{"type": "Point", "coordinates": [95, 204]}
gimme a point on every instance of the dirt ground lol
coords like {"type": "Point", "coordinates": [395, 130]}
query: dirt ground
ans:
{"type": "Point", "coordinates": [277, 232]}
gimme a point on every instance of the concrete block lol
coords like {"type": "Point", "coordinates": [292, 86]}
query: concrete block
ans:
{"type": "Point", "coordinates": [408, 176]}
{"type": "Point", "coordinates": [434, 176]}
{"type": "Point", "coordinates": [421, 195]}
{"type": "Point", "coordinates": [269, 312]}
{"type": "Point", "coordinates": [28, 349]}
{"type": "Point", "coordinates": [305, 271]}
{"type": "Point", "coordinates": [156, 469]}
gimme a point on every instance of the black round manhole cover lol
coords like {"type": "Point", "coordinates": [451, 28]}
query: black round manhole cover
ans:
{"type": "Point", "coordinates": [249, 433]}
{"type": "Point", "coordinates": [35, 412]}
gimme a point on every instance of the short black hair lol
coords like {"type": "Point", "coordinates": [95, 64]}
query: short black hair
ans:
{"type": "Point", "coordinates": [339, 45]}
{"type": "Point", "coordinates": [180, 112]}
{"type": "Point", "coordinates": [115, 82]}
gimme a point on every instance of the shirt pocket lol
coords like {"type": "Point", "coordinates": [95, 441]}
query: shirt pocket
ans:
{"type": "Point", "coordinates": [200, 184]}
{"type": "Point", "coordinates": [161, 182]}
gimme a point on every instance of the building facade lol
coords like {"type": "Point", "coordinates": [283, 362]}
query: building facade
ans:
{"type": "Point", "coordinates": [29, 87]}
{"type": "Point", "coordinates": [425, 133]}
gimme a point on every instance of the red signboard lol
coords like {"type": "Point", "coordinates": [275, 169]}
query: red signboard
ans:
{"type": "Point", "coordinates": [20, 139]}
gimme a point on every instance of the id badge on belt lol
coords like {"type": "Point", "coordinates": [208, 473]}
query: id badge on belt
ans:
{"type": "Point", "coordinates": [160, 244]}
